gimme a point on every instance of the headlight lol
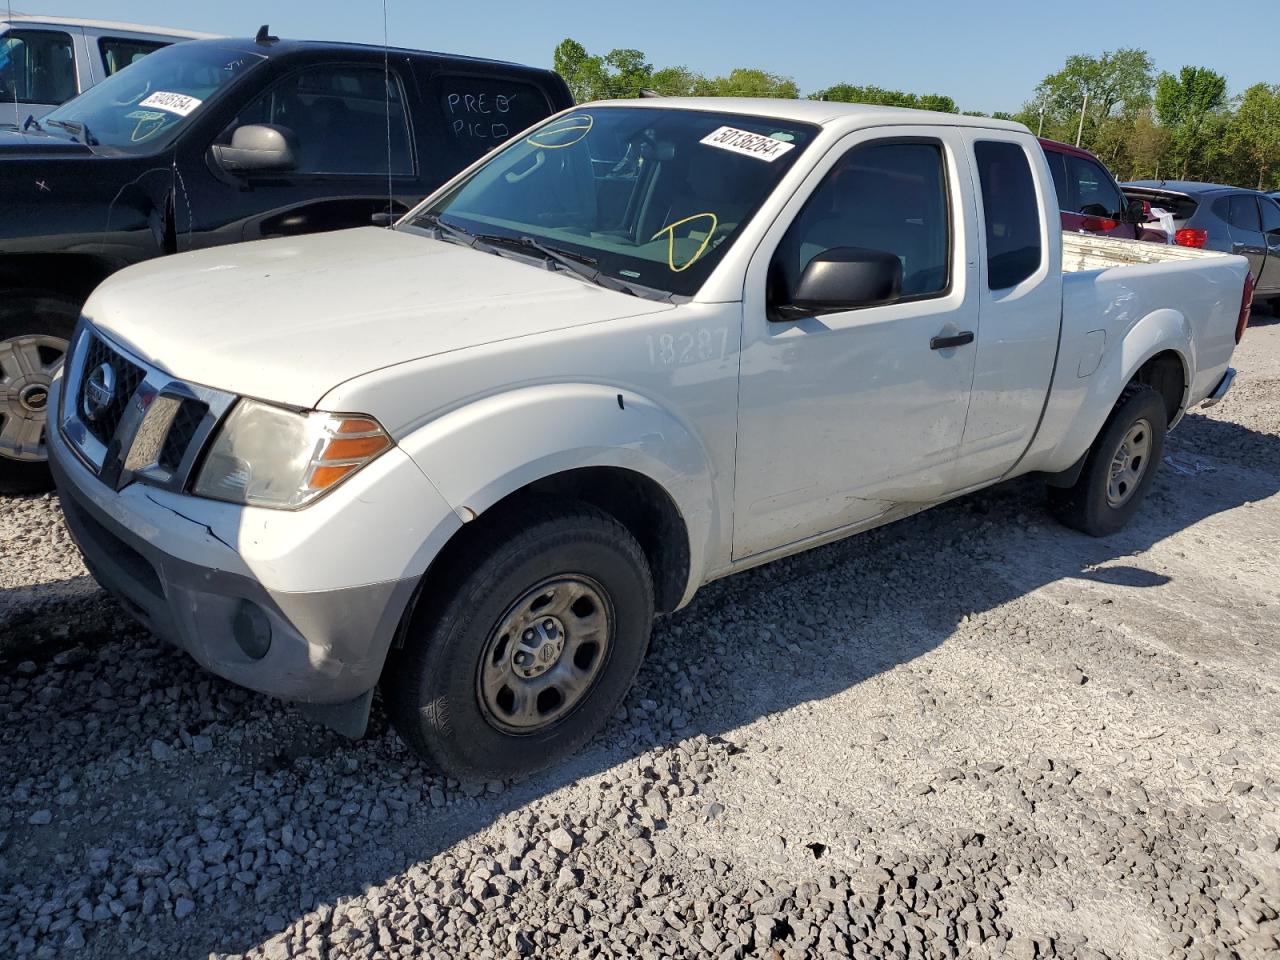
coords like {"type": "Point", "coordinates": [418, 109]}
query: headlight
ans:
{"type": "Point", "coordinates": [267, 456]}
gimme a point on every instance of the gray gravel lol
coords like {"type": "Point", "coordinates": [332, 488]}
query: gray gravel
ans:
{"type": "Point", "coordinates": [972, 733]}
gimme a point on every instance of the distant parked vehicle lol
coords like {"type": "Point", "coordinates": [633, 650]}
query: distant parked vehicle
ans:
{"type": "Point", "coordinates": [1091, 200]}
{"type": "Point", "coordinates": [213, 142]}
{"type": "Point", "coordinates": [45, 61]}
{"type": "Point", "coordinates": [1210, 216]}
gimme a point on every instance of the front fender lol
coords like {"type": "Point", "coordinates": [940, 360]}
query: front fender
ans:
{"type": "Point", "coordinates": [1085, 402]}
{"type": "Point", "coordinates": [482, 452]}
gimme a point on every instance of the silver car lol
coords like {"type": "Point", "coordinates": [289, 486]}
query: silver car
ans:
{"type": "Point", "coordinates": [1217, 217]}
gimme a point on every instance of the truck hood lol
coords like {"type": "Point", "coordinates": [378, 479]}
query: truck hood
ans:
{"type": "Point", "coordinates": [33, 145]}
{"type": "Point", "coordinates": [287, 320]}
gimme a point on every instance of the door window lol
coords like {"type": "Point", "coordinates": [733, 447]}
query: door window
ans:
{"type": "Point", "coordinates": [1244, 213]}
{"type": "Point", "coordinates": [1058, 167]}
{"type": "Point", "coordinates": [1011, 212]}
{"type": "Point", "coordinates": [118, 53]}
{"type": "Point", "coordinates": [37, 66]}
{"type": "Point", "coordinates": [338, 115]}
{"type": "Point", "coordinates": [1270, 218]}
{"type": "Point", "coordinates": [890, 197]}
{"type": "Point", "coordinates": [1095, 195]}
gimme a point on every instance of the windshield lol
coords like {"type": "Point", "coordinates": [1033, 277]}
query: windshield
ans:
{"type": "Point", "coordinates": [650, 197]}
{"type": "Point", "coordinates": [148, 102]}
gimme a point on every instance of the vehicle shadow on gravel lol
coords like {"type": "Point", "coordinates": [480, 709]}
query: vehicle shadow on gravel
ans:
{"type": "Point", "coordinates": [212, 818]}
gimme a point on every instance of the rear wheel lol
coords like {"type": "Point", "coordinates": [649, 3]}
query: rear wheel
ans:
{"type": "Point", "coordinates": [1120, 467]}
{"type": "Point", "coordinates": [526, 645]}
{"type": "Point", "coordinates": [34, 331]}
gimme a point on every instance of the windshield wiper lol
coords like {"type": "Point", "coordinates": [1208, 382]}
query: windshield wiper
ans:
{"type": "Point", "coordinates": [79, 131]}
{"type": "Point", "coordinates": [577, 264]}
{"type": "Point", "coordinates": [30, 122]}
{"type": "Point", "coordinates": [582, 265]}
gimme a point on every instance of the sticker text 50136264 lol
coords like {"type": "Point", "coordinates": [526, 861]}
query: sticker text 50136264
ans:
{"type": "Point", "coordinates": [745, 142]}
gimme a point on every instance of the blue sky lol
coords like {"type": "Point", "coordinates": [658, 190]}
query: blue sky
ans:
{"type": "Point", "coordinates": [987, 55]}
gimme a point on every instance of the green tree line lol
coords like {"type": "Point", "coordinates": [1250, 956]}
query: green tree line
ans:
{"type": "Point", "coordinates": [1143, 124]}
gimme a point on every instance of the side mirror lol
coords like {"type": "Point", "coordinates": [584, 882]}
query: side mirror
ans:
{"type": "Point", "coordinates": [258, 147]}
{"type": "Point", "coordinates": [844, 278]}
{"type": "Point", "coordinates": [1137, 211]}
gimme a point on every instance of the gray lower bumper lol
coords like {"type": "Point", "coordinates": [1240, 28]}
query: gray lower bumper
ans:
{"type": "Point", "coordinates": [326, 647]}
{"type": "Point", "coordinates": [1221, 389]}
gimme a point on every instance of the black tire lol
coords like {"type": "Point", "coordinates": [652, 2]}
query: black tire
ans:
{"type": "Point", "coordinates": [1086, 506]}
{"type": "Point", "coordinates": [431, 687]}
{"type": "Point", "coordinates": [26, 313]}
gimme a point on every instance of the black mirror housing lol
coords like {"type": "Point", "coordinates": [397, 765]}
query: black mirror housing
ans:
{"type": "Point", "coordinates": [258, 148]}
{"type": "Point", "coordinates": [845, 278]}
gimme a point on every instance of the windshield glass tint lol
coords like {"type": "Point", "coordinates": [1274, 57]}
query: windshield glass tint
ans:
{"type": "Point", "coordinates": [652, 196]}
{"type": "Point", "coordinates": [146, 103]}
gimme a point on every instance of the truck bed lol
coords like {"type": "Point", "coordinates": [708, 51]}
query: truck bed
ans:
{"type": "Point", "coordinates": [1084, 251]}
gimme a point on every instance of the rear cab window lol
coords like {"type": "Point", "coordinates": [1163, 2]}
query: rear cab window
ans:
{"type": "Point", "coordinates": [1011, 212]}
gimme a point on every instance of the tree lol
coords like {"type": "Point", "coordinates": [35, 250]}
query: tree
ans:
{"type": "Point", "coordinates": [674, 81]}
{"type": "Point", "coordinates": [629, 72]}
{"type": "Point", "coordinates": [1118, 82]}
{"type": "Point", "coordinates": [851, 93]}
{"type": "Point", "coordinates": [586, 75]}
{"type": "Point", "coordinates": [747, 82]}
{"type": "Point", "coordinates": [1253, 135]}
{"type": "Point", "coordinates": [1185, 105]}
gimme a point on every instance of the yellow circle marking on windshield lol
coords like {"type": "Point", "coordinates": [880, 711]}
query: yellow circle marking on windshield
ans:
{"type": "Point", "coordinates": [670, 231]}
{"type": "Point", "coordinates": [577, 126]}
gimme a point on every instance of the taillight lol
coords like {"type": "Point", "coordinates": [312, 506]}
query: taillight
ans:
{"type": "Point", "coordinates": [1098, 224]}
{"type": "Point", "coordinates": [1191, 238]}
{"type": "Point", "coordinates": [1246, 306]}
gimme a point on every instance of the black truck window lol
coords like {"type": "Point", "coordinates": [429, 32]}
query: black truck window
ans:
{"type": "Point", "coordinates": [482, 112]}
{"type": "Point", "coordinates": [338, 113]}
{"type": "Point", "coordinates": [1011, 212]}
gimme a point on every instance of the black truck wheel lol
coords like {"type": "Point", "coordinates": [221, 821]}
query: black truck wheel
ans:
{"type": "Point", "coordinates": [528, 644]}
{"type": "Point", "coordinates": [34, 330]}
{"type": "Point", "coordinates": [1120, 467]}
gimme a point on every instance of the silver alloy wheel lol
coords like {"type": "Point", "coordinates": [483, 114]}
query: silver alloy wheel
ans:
{"type": "Point", "coordinates": [28, 364]}
{"type": "Point", "coordinates": [1129, 463]}
{"type": "Point", "coordinates": [545, 654]}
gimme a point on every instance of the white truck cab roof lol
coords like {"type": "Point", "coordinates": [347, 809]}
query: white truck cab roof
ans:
{"type": "Point", "coordinates": [825, 113]}
{"type": "Point", "coordinates": [34, 20]}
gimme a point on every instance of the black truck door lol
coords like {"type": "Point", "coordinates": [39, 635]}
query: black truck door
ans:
{"type": "Point", "coordinates": [352, 129]}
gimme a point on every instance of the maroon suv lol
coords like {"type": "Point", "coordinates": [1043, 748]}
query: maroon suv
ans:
{"type": "Point", "coordinates": [1091, 200]}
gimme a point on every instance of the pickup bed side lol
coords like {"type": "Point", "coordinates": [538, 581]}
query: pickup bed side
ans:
{"type": "Point", "coordinates": [1120, 320]}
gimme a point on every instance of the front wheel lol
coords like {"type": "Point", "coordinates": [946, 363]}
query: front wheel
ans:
{"type": "Point", "coordinates": [1120, 467]}
{"type": "Point", "coordinates": [539, 626]}
{"type": "Point", "coordinates": [34, 330]}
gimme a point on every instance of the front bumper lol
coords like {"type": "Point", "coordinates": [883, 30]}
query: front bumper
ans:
{"type": "Point", "coordinates": [188, 575]}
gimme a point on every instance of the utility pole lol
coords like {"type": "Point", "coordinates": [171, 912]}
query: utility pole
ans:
{"type": "Point", "coordinates": [1083, 107]}
{"type": "Point", "coordinates": [1040, 129]}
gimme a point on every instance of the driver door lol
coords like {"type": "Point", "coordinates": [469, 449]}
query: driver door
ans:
{"type": "Point", "coordinates": [844, 415]}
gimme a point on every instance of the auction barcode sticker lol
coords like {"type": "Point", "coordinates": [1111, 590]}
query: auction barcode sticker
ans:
{"type": "Point", "coordinates": [747, 143]}
{"type": "Point", "coordinates": [178, 103]}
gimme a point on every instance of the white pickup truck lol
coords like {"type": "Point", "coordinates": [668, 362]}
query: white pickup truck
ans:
{"type": "Point", "coordinates": [642, 346]}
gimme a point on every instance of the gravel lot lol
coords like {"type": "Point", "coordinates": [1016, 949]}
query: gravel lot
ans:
{"type": "Point", "coordinates": [972, 733]}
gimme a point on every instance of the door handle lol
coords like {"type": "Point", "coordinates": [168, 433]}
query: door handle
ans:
{"type": "Point", "coordinates": [955, 340]}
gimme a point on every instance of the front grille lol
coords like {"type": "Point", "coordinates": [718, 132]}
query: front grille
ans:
{"type": "Point", "coordinates": [126, 377]}
{"type": "Point", "coordinates": [181, 432]}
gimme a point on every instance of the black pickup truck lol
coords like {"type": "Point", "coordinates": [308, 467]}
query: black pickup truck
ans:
{"type": "Point", "coordinates": [217, 141]}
